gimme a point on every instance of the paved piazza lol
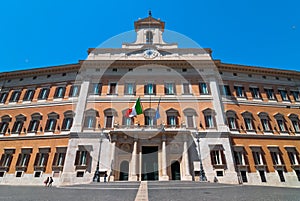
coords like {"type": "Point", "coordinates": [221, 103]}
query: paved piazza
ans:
{"type": "Point", "coordinates": [136, 191]}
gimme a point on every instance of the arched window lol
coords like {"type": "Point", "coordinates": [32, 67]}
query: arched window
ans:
{"type": "Point", "coordinates": [209, 116]}
{"type": "Point", "coordinates": [295, 122]}
{"type": "Point", "coordinates": [172, 117]}
{"type": "Point", "coordinates": [34, 123]}
{"type": "Point", "coordinates": [265, 121]}
{"type": "Point", "coordinates": [4, 123]}
{"type": "Point", "coordinates": [281, 122]}
{"type": "Point", "coordinates": [248, 120]}
{"type": "Point", "coordinates": [90, 119]}
{"type": "Point", "coordinates": [231, 120]}
{"type": "Point", "coordinates": [18, 125]}
{"type": "Point", "coordinates": [109, 117]}
{"type": "Point", "coordinates": [51, 122]}
{"type": "Point", "coordinates": [190, 116]}
{"type": "Point", "coordinates": [149, 37]}
{"type": "Point", "coordinates": [68, 120]}
{"type": "Point", "coordinates": [149, 117]}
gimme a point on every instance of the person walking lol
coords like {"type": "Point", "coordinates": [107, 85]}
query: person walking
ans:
{"type": "Point", "coordinates": [50, 182]}
{"type": "Point", "coordinates": [46, 181]}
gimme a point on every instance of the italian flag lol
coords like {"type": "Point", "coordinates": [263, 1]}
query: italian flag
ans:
{"type": "Point", "coordinates": [135, 110]}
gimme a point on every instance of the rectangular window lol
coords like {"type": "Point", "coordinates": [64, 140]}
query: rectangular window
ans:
{"type": "Point", "coordinates": [33, 126]}
{"type": "Point", "coordinates": [172, 120]}
{"type": "Point", "coordinates": [109, 122]}
{"type": "Point", "coordinates": [15, 96]}
{"type": "Point", "coordinates": [41, 159]}
{"type": "Point", "coordinates": [67, 123]}
{"type": "Point", "coordinates": [281, 125]}
{"type": "Point", "coordinates": [169, 88]}
{"type": "Point", "coordinates": [298, 174]}
{"type": "Point", "coordinates": [150, 89]}
{"type": "Point", "coordinates": [276, 158]}
{"type": "Point", "coordinates": [296, 96]}
{"type": "Point", "coordinates": [209, 121]}
{"type": "Point", "coordinates": [248, 124]}
{"type": "Point", "coordinates": [281, 175]}
{"type": "Point", "coordinates": [44, 94]}
{"type": "Point", "coordinates": [265, 124]}
{"type": "Point", "coordinates": [3, 97]}
{"type": "Point", "coordinates": [29, 95]}
{"type": "Point", "coordinates": [74, 91]}
{"type": "Point", "coordinates": [283, 94]}
{"type": "Point", "coordinates": [270, 94]}
{"type": "Point", "coordinates": [59, 159]}
{"type": "Point", "coordinates": [90, 122]}
{"type": "Point", "coordinates": [203, 89]}
{"type": "Point", "coordinates": [255, 92]}
{"type": "Point", "coordinates": [59, 92]}
{"type": "Point", "coordinates": [239, 91]}
{"type": "Point", "coordinates": [262, 176]}
{"type": "Point", "coordinates": [231, 123]}
{"type": "Point", "coordinates": [190, 121]}
{"type": "Point", "coordinates": [294, 159]}
{"type": "Point", "coordinates": [3, 127]}
{"type": "Point", "coordinates": [244, 176]}
{"type": "Point", "coordinates": [127, 121]}
{"type": "Point", "coordinates": [17, 127]}
{"type": "Point", "coordinates": [81, 158]}
{"type": "Point", "coordinates": [129, 89]}
{"type": "Point", "coordinates": [148, 121]}
{"type": "Point", "coordinates": [95, 89]}
{"type": "Point", "coordinates": [186, 88]}
{"type": "Point", "coordinates": [239, 158]}
{"type": "Point", "coordinates": [112, 88]}
{"type": "Point", "coordinates": [6, 160]}
{"type": "Point", "coordinates": [23, 160]}
{"type": "Point", "coordinates": [225, 90]}
{"type": "Point", "coordinates": [217, 157]}
{"type": "Point", "coordinates": [296, 125]}
{"type": "Point", "coordinates": [258, 160]}
{"type": "Point", "coordinates": [51, 125]}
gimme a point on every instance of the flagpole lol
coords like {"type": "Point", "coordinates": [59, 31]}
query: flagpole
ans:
{"type": "Point", "coordinates": [151, 119]}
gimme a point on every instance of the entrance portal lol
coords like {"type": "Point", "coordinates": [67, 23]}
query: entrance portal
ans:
{"type": "Point", "coordinates": [149, 163]}
{"type": "Point", "coordinates": [175, 169]}
{"type": "Point", "coordinates": [124, 168]}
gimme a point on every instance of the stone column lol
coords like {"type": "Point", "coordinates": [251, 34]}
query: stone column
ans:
{"type": "Point", "coordinates": [185, 157]}
{"type": "Point", "coordinates": [133, 175]}
{"type": "Point", "coordinates": [218, 105]}
{"type": "Point", "coordinates": [113, 159]}
{"type": "Point", "coordinates": [164, 165]}
{"type": "Point", "coordinates": [80, 107]}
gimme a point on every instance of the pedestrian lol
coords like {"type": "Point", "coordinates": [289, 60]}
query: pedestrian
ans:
{"type": "Point", "coordinates": [105, 176]}
{"type": "Point", "coordinates": [46, 181]}
{"type": "Point", "coordinates": [50, 182]}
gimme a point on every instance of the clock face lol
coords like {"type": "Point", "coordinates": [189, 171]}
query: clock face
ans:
{"type": "Point", "coordinates": [150, 54]}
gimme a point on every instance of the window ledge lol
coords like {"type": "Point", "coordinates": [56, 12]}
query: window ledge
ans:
{"type": "Point", "coordinates": [220, 166]}
{"type": "Point", "coordinates": [57, 168]}
{"type": "Point", "coordinates": [21, 168]}
{"type": "Point", "coordinates": [81, 167]}
{"type": "Point", "coordinates": [39, 168]}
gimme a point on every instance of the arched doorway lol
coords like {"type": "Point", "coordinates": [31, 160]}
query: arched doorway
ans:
{"type": "Point", "coordinates": [175, 169]}
{"type": "Point", "coordinates": [124, 168]}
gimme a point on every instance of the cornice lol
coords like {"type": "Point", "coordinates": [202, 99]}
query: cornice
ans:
{"type": "Point", "coordinates": [35, 137]}
{"type": "Point", "coordinates": [41, 71]}
{"type": "Point", "coordinates": [255, 69]}
{"type": "Point", "coordinates": [251, 136]}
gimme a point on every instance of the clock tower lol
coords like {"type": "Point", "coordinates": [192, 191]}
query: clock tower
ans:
{"type": "Point", "coordinates": [149, 32]}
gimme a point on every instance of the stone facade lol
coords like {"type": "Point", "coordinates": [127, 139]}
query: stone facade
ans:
{"type": "Point", "coordinates": [240, 123]}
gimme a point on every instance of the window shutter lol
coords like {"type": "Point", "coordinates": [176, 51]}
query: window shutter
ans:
{"type": "Point", "coordinates": [37, 157]}
{"type": "Point", "coordinates": [18, 96]}
{"type": "Point", "coordinates": [63, 159]}
{"type": "Point", "coordinates": [2, 160]}
{"type": "Point", "coordinates": [154, 88]}
{"type": "Point", "coordinates": [246, 158]}
{"type": "Point", "coordinates": [28, 159]}
{"type": "Point", "coordinates": [88, 159]}
{"type": "Point", "coordinates": [77, 158]}
{"type": "Point", "coordinates": [47, 125]}
{"type": "Point", "coordinates": [223, 158]}
{"type": "Point", "coordinates": [55, 159]}
{"type": "Point", "coordinates": [213, 161]}
{"type": "Point", "coordinates": [19, 160]}
{"type": "Point", "coordinates": [46, 160]}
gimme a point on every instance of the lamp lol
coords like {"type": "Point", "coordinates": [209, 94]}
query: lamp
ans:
{"type": "Point", "coordinates": [96, 177]}
{"type": "Point", "coordinates": [202, 176]}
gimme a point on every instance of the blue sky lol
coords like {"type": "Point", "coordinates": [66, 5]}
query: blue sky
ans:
{"type": "Point", "coordinates": [55, 32]}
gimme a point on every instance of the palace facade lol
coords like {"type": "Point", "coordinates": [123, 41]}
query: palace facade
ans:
{"type": "Point", "coordinates": [202, 119]}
